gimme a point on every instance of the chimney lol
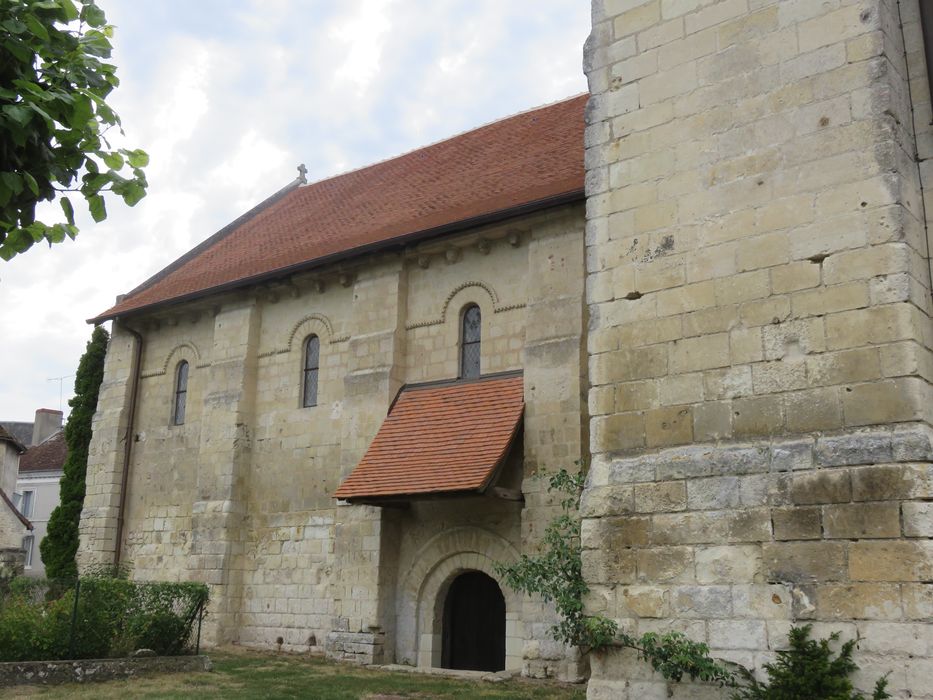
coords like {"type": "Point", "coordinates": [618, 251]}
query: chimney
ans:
{"type": "Point", "coordinates": [47, 423]}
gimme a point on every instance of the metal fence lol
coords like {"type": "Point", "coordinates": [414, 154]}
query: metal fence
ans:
{"type": "Point", "coordinates": [99, 618]}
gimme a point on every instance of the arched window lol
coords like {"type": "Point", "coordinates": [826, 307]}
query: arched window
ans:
{"type": "Point", "coordinates": [470, 335]}
{"type": "Point", "coordinates": [181, 393]}
{"type": "Point", "coordinates": [312, 361]}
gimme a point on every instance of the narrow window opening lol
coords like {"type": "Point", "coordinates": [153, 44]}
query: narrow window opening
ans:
{"type": "Point", "coordinates": [471, 336]}
{"type": "Point", "coordinates": [311, 371]}
{"type": "Point", "coordinates": [181, 393]}
{"type": "Point", "coordinates": [26, 503]}
{"type": "Point", "coordinates": [28, 542]}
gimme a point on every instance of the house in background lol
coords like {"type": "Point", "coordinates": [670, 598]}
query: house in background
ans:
{"type": "Point", "coordinates": [30, 481]}
{"type": "Point", "coordinates": [14, 526]}
{"type": "Point", "coordinates": [37, 488]}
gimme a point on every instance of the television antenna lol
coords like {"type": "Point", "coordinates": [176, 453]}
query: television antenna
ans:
{"type": "Point", "coordinates": [61, 381]}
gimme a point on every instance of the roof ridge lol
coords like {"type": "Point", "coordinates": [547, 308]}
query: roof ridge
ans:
{"type": "Point", "coordinates": [58, 432]}
{"type": "Point", "coordinates": [451, 137]}
{"type": "Point", "coordinates": [22, 518]}
{"type": "Point", "coordinates": [216, 237]}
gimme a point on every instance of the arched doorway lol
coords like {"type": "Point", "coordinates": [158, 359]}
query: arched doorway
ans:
{"type": "Point", "coordinates": [474, 624]}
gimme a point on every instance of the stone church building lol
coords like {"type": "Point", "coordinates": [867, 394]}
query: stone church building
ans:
{"type": "Point", "coordinates": [709, 280]}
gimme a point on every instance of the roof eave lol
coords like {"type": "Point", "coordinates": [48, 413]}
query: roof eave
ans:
{"type": "Point", "coordinates": [495, 217]}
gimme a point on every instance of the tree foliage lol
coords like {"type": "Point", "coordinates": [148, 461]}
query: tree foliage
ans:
{"type": "Point", "coordinates": [556, 574]}
{"type": "Point", "coordinates": [54, 80]}
{"type": "Point", "coordinates": [60, 544]}
{"type": "Point", "coordinates": [808, 669]}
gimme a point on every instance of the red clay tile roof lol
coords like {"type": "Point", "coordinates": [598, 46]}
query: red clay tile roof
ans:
{"type": "Point", "coordinates": [22, 518]}
{"type": "Point", "coordinates": [531, 158]}
{"type": "Point", "coordinates": [6, 436]}
{"type": "Point", "coordinates": [46, 456]}
{"type": "Point", "coordinates": [440, 439]}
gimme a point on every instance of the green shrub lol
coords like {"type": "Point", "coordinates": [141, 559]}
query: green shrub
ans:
{"type": "Point", "coordinates": [113, 617]}
{"type": "Point", "coordinates": [808, 669]}
{"type": "Point", "coordinates": [60, 544]}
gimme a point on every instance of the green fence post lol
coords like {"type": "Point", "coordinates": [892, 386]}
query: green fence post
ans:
{"type": "Point", "coordinates": [197, 644]}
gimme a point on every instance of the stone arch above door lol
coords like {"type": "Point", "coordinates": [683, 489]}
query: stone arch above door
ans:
{"type": "Point", "coordinates": [422, 592]}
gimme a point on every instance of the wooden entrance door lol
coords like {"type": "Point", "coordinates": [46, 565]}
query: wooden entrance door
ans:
{"type": "Point", "coordinates": [474, 624]}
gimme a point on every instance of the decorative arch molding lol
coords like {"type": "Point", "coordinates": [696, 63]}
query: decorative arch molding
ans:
{"type": "Point", "coordinates": [497, 306]}
{"type": "Point", "coordinates": [187, 349]}
{"type": "Point", "coordinates": [319, 324]}
{"type": "Point", "coordinates": [423, 590]}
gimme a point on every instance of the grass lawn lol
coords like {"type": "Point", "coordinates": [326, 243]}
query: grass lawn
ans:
{"type": "Point", "coordinates": [247, 674]}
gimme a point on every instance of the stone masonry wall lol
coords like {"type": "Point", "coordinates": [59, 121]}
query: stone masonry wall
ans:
{"type": "Point", "coordinates": [239, 495]}
{"type": "Point", "coordinates": [759, 339]}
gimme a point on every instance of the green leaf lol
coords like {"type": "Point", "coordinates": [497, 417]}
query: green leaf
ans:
{"type": "Point", "coordinates": [69, 9]}
{"type": "Point", "coordinates": [18, 49]}
{"type": "Point", "coordinates": [36, 27]}
{"type": "Point", "coordinates": [134, 193]}
{"type": "Point", "coordinates": [13, 181]}
{"type": "Point", "coordinates": [137, 158]}
{"type": "Point", "coordinates": [55, 234]}
{"type": "Point", "coordinates": [19, 113]}
{"type": "Point", "coordinates": [81, 112]}
{"type": "Point", "coordinates": [98, 209]}
{"type": "Point", "coordinates": [113, 160]}
{"type": "Point", "coordinates": [31, 183]}
{"type": "Point", "coordinates": [93, 15]}
{"type": "Point", "coordinates": [14, 26]}
{"type": "Point", "coordinates": [68, 209]}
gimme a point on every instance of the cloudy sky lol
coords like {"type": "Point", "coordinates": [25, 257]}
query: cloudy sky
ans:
{"type": "Point", "coordinates": [229, 96]}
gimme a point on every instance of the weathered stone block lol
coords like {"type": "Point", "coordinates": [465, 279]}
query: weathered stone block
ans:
{"type": "Point", "coordinates": [792, 455]}
{"type": "Point", "coordinates": [854, 448]}
{"type": "Point", "coordinates": [762, 415]}
{"type": "Point", "coordinates": [892, 482]}
{"type": "Point", "coordinates": [798, 523]}
{"type": "Point", "coordinates": [763, 601]}
{"type": "Point", "coordinates": [891, 561]}
{"type": "Point", "coordinates": [728, 564]}
{"type": "Point", "coordinates": [660, 497]}
{"type": "Point", "coordinates": [738, 634]}
{"type": "Point", "coordinates": [606, 500]}
{"type": "Point", "coordinates": [714, 493]}
{"type": "Point", "coordinates": [918, 519]}
{"type": "Point", "coordinates": [858, 601]}
{"type": "Point", "coordinates": [708, 602]}
{"type": "Point", "coordinates": [804, 562]}
{"type": "Point", "coordinates": [669, 426]}
{"type": "Point", "coordinates": [821, 486]}
{"type": "Point", "coordinates": [918, 600]}
{"type": "Point", "coordinates": [610, 566]}
{"type": "Point", "coordinates": [665, 564]}
{"type": "Point", "coordinates": [644, 601]}
{"type": "Point", "coordinates": [861, 520]}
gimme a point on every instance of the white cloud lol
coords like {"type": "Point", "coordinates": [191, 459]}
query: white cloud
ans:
{"type": "Point", "coordinates": [362, 33]}
{"type": "Point", "coordinates": [229, 97]}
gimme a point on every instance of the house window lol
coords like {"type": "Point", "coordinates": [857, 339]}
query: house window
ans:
{"type": "Point", "coordinates": [28, 541]}
{"type": "Point", "coordinates": [26, 503]}
{"type": "Point", "coordinates": [181, 393]}
{"type": "Point", "coordinates": [470, 336]}
{"type": "Point", "coordinates": [311, 369]}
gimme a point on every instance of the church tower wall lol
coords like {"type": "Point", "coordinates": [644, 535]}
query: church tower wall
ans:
{"type": "Point", "coordinates": [759, 339]}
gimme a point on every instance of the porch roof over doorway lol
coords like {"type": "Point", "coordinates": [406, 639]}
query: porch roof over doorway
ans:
{"type": "Point", "coordinates": [443, 438]}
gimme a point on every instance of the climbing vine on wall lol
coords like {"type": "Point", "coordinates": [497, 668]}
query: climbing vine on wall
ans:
{"type": "Point", "coordinates": [556, 574]}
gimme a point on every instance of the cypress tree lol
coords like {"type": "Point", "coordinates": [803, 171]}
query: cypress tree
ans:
{"type": "Point", "coordinates": [60, 544]}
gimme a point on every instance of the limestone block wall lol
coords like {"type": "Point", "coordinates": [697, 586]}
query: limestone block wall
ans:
{"type": "Point", "coordinates": [240, 494]}
{"type": "Point", "coordinates": [759, 335]}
